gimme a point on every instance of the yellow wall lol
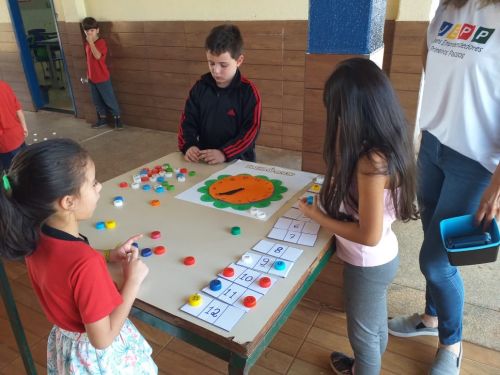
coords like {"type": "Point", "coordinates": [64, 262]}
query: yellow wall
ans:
{"type": "Point", "coordinates": [70, 10]}
{"type": "Point", "coordinates": [161, 10]}
{"type": "Point", "coordinates": [4, 12]}
{"type": "Point", "coordinates": [392, 9]}
{"type": "Point", "coordinates": [234, 10]}
{"type": "Point", "coordinates": [130, 10]}
{"type": "Point", "coordinates": [411, 10]}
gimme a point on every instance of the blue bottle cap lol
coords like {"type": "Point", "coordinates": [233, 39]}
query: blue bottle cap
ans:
{"type": "Point", "coordinates": [146, 187]}
{"type": "Point", "coordinates": [146, 252]}
{"type": "Point", "coordinates": [279, 265]}
{"type": "Point", "coordinates": [215, 285]}
{"type": "Point", "coordinates": [100, 225]}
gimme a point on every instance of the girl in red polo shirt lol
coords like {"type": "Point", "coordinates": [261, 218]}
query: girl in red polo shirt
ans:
{"type": "Point", "coordinates": [50, 187]}
{"type": "Point", "coordinates": [13, 128]}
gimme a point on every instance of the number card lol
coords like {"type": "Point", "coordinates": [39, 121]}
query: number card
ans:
{"type": "Point", "coordinates": [229, 318]}
{"type": "Point", "coordinates": [249, 292]}
{"type": "Point", "coordinates": [277, 250]}
{"type": "Point", "coordinates": [292, 237]}
{"type": "Point", "coordinates": [196, 310]}
{"type": "Point", "coordinates": [263, 246]}
{"type": "Point", "coordinates": [256, 284]}
{"type": "Point", "coordinates": [215, 293]}
{"type": "Point", "coordinates": [291, 254]}
{"type": "Point", "coordinates": [302, 231]}
{"type": "Point", "coordinates": [281, 272]}
{"type": "Point", "coordinates": [232, 293]}
{"type": "Point", "coordinates": [264, 264]}
{"type": "Point", "coordinates": [247, 278]}
{"type": "Point", "coordinates": [213, 311]}
{"type": "Point", "coordinates": [277, 234]}
{"type": "Point", "coordinates": [238, 270]}
{"type": "Point", "coordinates": [249, 259]}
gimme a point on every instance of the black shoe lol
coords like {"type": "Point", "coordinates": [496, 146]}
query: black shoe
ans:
{"type": "Point", "coordinates": [101, 121]}
{"type": "Point", "coordinates": [341, 364]}
{"type": "Point", "coordinates": [118, 123]}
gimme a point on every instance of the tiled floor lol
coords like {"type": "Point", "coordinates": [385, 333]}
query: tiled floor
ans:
{"type": "Point", "coordinates": [301, 347]}
{"type": "Point", "coordinates": [303, 344]}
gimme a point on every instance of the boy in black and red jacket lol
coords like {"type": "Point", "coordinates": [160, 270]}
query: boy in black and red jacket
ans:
{"type": "Point", "coordinates": [221, 118]}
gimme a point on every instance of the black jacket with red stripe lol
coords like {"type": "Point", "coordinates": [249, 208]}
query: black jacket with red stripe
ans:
{"type": "Point", "coordinates": [227, 119]}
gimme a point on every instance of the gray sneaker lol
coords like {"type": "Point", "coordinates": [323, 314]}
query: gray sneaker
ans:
{"type": "Point", "coordinates": [409, 326]}
{"type": "Point", "coordinates": [446, 363]}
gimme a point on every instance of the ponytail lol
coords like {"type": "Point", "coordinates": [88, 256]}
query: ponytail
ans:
{"type": "Point", "coordinates": [40, 175]}
{"type": "Point", "coordinates": [17, 234]}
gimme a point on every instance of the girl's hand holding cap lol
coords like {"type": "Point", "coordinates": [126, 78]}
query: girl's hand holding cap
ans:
{"type": "Point", "coordinates": [122, 252]}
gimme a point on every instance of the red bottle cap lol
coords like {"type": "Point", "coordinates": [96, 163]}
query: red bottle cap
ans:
{"type": "Point", "coordinates": [155, 234]}
{"type": "Point", "coordinates": [265, 282]}
{"type": "Point", "coordinates": [228, 272]}
{"type": "Point", "coordinates": [123, 184]}
{"type": "Point", "coordinates": [159, 250]}
{"type": "Point", "coordinates": [189, 261]}
{"type": "Point", "coordinates": [249, 301]}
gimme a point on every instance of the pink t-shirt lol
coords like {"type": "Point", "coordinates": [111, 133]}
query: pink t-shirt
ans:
{"type": "Point", "coordinates": [371, 256]}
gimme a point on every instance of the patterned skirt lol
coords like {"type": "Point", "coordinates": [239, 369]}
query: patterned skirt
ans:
{"type": "Point", "coordinates": [72, 353]}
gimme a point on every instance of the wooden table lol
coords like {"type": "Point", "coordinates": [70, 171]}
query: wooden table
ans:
{"type": "Point", "coordinates": [191, 229]}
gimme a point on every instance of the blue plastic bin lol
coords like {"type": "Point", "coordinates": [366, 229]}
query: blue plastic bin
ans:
{"type": "Point", "coordinates": [464, 226]}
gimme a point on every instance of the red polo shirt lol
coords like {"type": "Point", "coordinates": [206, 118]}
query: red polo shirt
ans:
{"type": "Point", "coordinates": [11, 130]}
{"type": "Point", "coordinates": [97, 71]}
{"type": "Point", "coordinates": [71, 281]}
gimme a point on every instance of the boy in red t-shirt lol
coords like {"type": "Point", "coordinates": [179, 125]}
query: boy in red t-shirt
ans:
{"type": "Point", "coordinates": [13, 128]}
{"type": "Point", "coordinates": [98, 77]}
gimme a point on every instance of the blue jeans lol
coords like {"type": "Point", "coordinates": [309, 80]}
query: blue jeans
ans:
{"type": "Point", "coordinates": [6, 158]}
{"type": "Point", "coordinates": [104, 98]}
{"type": "Point", "coordinates": [449, 184]}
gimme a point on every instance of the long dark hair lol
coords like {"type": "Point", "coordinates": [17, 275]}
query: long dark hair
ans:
{"type": "Point", "coordinates": [38, 177]}
{"type": "Point", "coordinates": [364, 118]}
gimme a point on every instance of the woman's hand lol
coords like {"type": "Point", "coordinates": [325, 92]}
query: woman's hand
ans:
{"type": "Point", "coordinates": [489, 206]}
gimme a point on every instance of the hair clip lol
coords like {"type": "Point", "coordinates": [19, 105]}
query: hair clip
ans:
{"type": "Point", "coordinates": [6, 182]}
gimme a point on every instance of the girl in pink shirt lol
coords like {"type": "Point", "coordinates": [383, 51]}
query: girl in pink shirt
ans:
{"type": "Point", "coordinates": [369, 182]}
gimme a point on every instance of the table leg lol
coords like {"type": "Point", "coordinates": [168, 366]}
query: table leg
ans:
{"type": "Point", "coordinates": [15, 322]}
{"type": "Point", "coordinates": [237, 365]}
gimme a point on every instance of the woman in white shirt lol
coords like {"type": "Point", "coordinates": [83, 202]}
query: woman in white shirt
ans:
{"type": "Point", "coordinates": [458, 163]}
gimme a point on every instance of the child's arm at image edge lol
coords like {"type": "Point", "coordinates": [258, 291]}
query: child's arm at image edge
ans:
{"type": "Point", "coordinates": [21, 117]}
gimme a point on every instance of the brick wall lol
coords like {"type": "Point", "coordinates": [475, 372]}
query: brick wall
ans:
{"type": "Point", "coordinates": [154, 64]}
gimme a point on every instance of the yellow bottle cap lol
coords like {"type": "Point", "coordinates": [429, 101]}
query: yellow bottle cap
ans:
{"type": "Point", "coordinates": [195, 300]}
{"type": "Point", "coordinates": [110, 224]}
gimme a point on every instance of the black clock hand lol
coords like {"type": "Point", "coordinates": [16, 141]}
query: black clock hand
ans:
{"type": "Point", "coordinates": [231, 192]}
